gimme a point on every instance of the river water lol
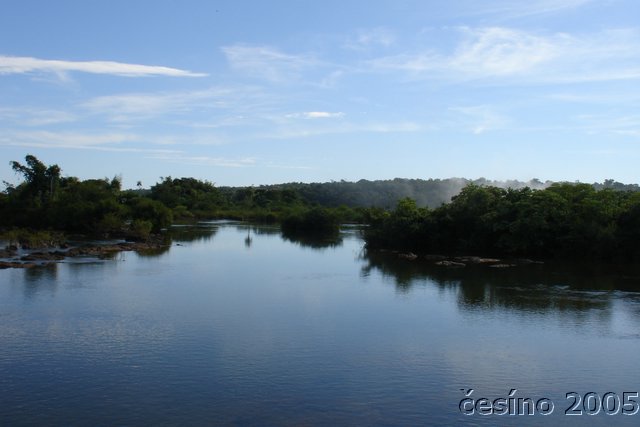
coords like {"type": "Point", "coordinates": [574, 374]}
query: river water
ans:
{"type": "Point", "coordinates": [235, 324]}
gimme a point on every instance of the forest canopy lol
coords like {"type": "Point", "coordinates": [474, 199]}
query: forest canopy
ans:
{"type": "Point", "coordinates": [540, 219]}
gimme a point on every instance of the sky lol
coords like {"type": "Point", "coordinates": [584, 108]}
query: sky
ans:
{"type": "Point", "coordinates": [261, 92]}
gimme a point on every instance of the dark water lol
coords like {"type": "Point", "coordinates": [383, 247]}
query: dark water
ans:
{"type": "Point", "coordinates": [232, 326]}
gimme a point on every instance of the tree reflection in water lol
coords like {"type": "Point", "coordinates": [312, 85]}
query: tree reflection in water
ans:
{"type": "Point", "coordinates": [571, 288]}
{"type": "Point", "coordinates": [314, 240]}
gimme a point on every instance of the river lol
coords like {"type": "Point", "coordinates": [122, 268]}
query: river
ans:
{"type": "Point", "coordinates": [235, 324]}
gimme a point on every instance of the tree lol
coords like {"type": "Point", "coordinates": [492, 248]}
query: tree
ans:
{"type": "Point", "coordinates": [41, 181]}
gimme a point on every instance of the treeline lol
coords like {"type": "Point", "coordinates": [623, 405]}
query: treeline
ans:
{"type": "Point", "coordinates": [46, 200]}
{"type": "Point", "coordinates": [563, 220]}
{"type": "Point", "coordinates": [555, 220]}
{"type": "Point", "coordinates": [386, 194]}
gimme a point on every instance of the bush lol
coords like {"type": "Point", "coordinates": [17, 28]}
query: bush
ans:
{"type": "Point", "coordinates": [141, 229]}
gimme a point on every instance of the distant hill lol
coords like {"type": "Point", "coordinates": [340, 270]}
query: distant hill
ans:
{"type": "Point", "coordinates": [386, 193]}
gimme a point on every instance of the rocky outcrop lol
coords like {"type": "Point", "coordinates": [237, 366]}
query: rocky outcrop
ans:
{"type": "Point", "coordinates": [44, 258]}
{"type": "Point", "coordinates": [450, 264]}
{"type": "Point", "coordinates": [16, 264]}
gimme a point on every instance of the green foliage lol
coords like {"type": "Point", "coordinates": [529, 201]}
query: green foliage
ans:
{"type": "Point", "coordinates": [317, 219]}
{"type": "Point", "coordinates": [153, 211]}
{"type": "Point", "coordinates": [201, 198]}
{"type": "Point", "coordinates": [89, 206]}
{"type": "Point", "coordinates": [580, 220]}
{"type": "Point", "coordinates": [140, 229]}
{"type": "Point", "coordinates": [32, 238]}
{"type": "Point", "coordinates": [564, 220]}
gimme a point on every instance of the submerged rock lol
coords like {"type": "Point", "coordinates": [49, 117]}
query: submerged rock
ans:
{"type": "Point", "coordinates": [450, 264]}
{"type": "Point", "coordinates": [477, 260]}
{"type": "Point", "coordinates": [43, 256]}
{"type": "Point", "coordinates": [503, 265]}
{"type": "Point", "coordinates": [16, 264]}
{"type": "Point", "coordinates": [432, 257]}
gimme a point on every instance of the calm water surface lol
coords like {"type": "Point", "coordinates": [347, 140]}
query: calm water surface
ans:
{"type": "Point", "coordinates": [238, 325]}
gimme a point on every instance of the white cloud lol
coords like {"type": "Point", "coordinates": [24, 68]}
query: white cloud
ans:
{"type": "Point", "coordinates": [207, 160]}
{"type": "Point", "coordinates": [22, 65]}
{"type": "Point", "coordinates": [111, 142]}
{"type": "Point", "coordinates": [366, 39]}
{"type": "Point", "coordinates": [501, 51]}
{"type": "Point", "coordinates": [483, 52]}
{"type": "Point", "coordinates": [610, 123]}
{"type": "Point", "coordinates": [509, 9]}
{"type": "Point", "coordinates": [481, 118]}
{"type": "Point", "coordinates": [65, 139]}
{"type": "Point", "coordinates": [289, 131]}
{"type": "Point", "coordinates": [316, 115]}
{"type": "Point", "coordinates": [508, 56]}
{"type": "Point", "coordinates": [267, 62]}
{"type": "Point", "coordinates": [36, 117]}
{"type": "Point", "coordinates": [135, 106]}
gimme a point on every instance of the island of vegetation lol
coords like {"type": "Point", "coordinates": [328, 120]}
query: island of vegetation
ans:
{"type": "Point", "coordinates": [414, 217]}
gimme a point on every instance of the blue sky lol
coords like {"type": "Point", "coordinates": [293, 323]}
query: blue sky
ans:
{"type": "Point", "coordinates": [260, 92]}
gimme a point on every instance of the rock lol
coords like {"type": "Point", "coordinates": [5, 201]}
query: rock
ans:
{"type": "Point", "coordinates": [42, 256]}
{"type": "Point", "coordinates": [489, 261]}
{"type": "Point", "coordinates": [526, 261]}
{"type": "Point", "coordinates": [410, 256]}
{"type": "Point", "coordinates": [434, 258]}
{"type": "Point", "coordinates": [450, 264]}
{"type": "Point", "coordinates": [467, 259]}
{"type": "Point", "coordinates": [503, 265]}
{"type": "Point", "coordinates": [6, 253]}
{"type": "Point", "coordinates": [477, 260]}
{"type": "Point", "coordinates": [13, 264]}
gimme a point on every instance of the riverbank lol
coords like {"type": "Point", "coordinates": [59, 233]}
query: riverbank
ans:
{"type": "Point", "coordinates": [13, 256]}
{"type": "Point", "coordinates": [457, 261]}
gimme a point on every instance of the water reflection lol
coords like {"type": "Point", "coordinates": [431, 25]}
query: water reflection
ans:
{"type": "Point", "coordinates": [313, 240]}
{"type": "Point", "coordinates": [201, 232]}
{"type": "Point", "coordinates": [532, 288]}
{"type": "Point", "coordinates": [248, 240]}
{"type": "Point", "coordinates": [41, 279]}
{"type": "Point", "coordinates": [278, 335]}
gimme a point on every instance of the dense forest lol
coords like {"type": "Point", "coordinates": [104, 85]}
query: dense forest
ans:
{"type": "Point", "coordinates": [386, 193]}
{"type": "Point", "coordinates": [538, 219]}
{"type": "Point", "coordinates": [46, 200]}
{"type": "Point", "coordinates": [561, 221]}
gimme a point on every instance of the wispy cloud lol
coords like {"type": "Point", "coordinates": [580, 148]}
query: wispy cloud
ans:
{"type": "Point", "coordinates": [291, 131]}
{"type": "Point", "coordinates": [367, 39]}
{"type": "Point", "coordinates": [481, 118]}
{"type": "Point", "coordinates": [207, 160]}
{"type": "Point", "coordinates": [109, 142]}
{"type": "Point", "coordinates": [136, 106]}
{"type": "Point", "coordinates": [316, 115]}
{"type": "Point", "coordinates": [267, 62]}
{"type": "Point", "coordinates": [48, 139]}
{"type": "Point", "coordinates": [481, 53]}
{"type": "Point", "coordinates": [22, 65]}
{"type": "Point", "coordinates": [508, 9]}
{"type": "Point", "coordinates": [628, 125]}
{"type": "Point", "coordinates": [35, 116]}
{"type": "Point", "coordinates": [506, 55]}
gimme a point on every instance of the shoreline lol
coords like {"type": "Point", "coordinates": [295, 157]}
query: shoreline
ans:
{"type": "Point", "coordinates": [12, 257]}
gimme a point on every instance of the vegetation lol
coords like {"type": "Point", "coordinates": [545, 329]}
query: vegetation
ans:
{"type": "Point", "coordinates": [386, 193]}
{"type": "Point", "coordinates": [47, 201]}
{"type": "Point", "coordinates": [550, 220]}
{"type": "Point", "coordinates": [313, 220]}
{"type": "Point", "coordinates": [563, 220]}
